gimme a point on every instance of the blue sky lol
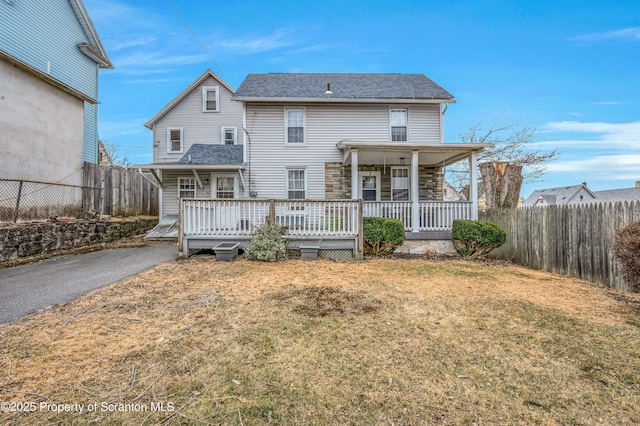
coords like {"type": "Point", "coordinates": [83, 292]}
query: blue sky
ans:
{"type": "Point", "coordinates": [571, 69]}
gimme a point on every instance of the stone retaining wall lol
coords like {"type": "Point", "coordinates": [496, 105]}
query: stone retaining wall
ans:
{"type": "Point", "coordinates": [31, 239]}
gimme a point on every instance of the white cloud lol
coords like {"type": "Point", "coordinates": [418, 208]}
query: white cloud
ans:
{"type": "Point", "coordinates": [598, 134]}
{"type": "Point", "coordinates": [599, 165]}
{"type": "Point", "coordinates": [605, 154]}
{"type": "Point", "coordinates": [158, 58]}
{"type": "Point", "coordinates": [608, 103]}
{"type": "Point", "coordinates": [632, 34]}
{"type": "Point", "coordinates": [257, 44]}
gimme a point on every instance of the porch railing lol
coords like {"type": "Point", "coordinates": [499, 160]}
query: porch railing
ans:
{"type": "Point", "coordinates": [312, 217]}
{"type": "Point", "coordinates": [242, 217]}
{"type": "Point", "coordinates": [433, 215]}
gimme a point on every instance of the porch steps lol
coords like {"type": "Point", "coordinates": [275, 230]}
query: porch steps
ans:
{"type": "Point", "coordinates": [166, 229]}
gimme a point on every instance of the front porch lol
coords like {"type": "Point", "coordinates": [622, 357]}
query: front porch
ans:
{"type": "Point", "coordinates": [410, 177]}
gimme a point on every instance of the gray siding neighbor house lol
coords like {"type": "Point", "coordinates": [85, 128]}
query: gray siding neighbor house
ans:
{"type": "Point", "coordinates": [50, 57]}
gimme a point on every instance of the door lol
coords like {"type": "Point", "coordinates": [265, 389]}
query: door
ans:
{"type": "Point", "coordinates": [225, 188]}
{"type": "Point", "coordinates": [369, 186]}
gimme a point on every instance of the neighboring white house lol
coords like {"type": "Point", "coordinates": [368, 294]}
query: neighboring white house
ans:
{"type": "Point", "coordinates": [578, 194]}
{"type": "Point", "coordinates": [198, 145]}
{"type": "Point", "coordinates": [573, 194]}
{"type": "Point", "coordinates": [50, 56]}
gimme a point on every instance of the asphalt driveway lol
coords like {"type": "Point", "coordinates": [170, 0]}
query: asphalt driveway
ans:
{"type": "Point", "coordinates": [25, 289]}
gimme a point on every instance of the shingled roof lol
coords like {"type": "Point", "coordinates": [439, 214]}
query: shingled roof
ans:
{"type": "Point", "coordinates": [343, 87]}
{"type": "Point", "coordinates": [200, 153]}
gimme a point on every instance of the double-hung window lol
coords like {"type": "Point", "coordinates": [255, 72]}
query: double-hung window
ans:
{"type": "Point", "coordinates": [186, 187]}
{"type": "Point", "coordinates": [400, 184]}
{"type": "Point", "coordinates": [210, 99]}
{"type": "Point", "coordinates": [296, 184]}
{"type": "Point", "coordinates": [295, 125]}
{"type": "Point", "coordinates": [399, 125]}
{"type": "Point", "coordinates": [174, 139]}
{"type": "Point", "coordinates": [228, 135]}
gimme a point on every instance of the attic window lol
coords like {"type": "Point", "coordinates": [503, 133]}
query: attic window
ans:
{"type": "Point", "coordinates": [210, 99]}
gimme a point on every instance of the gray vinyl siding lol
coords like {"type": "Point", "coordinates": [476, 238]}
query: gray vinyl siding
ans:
{"type": "Point", "coordinates": [325, 125]}
{"type": "Point", "coordinates": [198, 127]}
{"type": "Point", "coordinates": [170, 188]}
{"type": "Point", "coordinates": [424, 123]}
{"type": "Point", "coordinates": [41, 32]}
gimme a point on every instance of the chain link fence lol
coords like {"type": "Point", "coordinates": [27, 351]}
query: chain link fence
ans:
{"type": "Point", "coordinates": [23, 200]}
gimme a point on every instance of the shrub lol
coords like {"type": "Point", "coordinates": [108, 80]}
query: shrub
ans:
{"type": "Point", "coordinates": [472, 238]}
{"type": "Point", "coordinates": [382, 236]}
{"type": "Point", "coordinates": [626, 249]}
{"type": "Point", "coordinates": [267, 243]}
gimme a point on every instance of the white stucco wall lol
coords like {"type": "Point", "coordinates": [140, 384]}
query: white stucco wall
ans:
{"type": "Point", "coordinates": [41, 129]}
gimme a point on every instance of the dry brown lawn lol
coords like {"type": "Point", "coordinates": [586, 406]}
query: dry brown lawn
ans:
{"type": "Point", "coordinates": [389, 341]}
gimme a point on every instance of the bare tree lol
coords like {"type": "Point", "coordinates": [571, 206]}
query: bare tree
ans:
{"type": "Point", "coordinates": [115, 155]}
{"type": "Point", "coordinates": [512, 145]}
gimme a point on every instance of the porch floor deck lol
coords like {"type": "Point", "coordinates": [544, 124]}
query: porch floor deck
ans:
{"type": "Point", "coordinates": [166, 229]}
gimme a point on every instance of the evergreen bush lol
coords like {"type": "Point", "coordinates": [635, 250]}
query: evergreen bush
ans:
{"type": "Point", "coordinates": [267, 243]}
{"type": "Point", "coordinates": [473, 238]}
{"type": "Point", "coordinates": [381, 235]}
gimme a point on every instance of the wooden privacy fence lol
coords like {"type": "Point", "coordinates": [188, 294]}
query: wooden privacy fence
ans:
{"type": "Point", "coordinates": [573, 240]}
{"type": "Point", "coordinates": [113, 191]}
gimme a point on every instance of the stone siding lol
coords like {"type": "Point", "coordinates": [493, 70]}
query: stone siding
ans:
{"type": "Point", "coordinates": [338, 181]}
{"type": "Point", "coordinates": [31, 239]}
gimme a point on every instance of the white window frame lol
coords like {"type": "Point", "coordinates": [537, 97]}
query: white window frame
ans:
{"type": "Point", "coordinates": [223, 130]}
{"type": "Point", "coordinates": [195, 186]}
{"type": "Point", "coordinates": [306, 179]}
{"type": "Point", "coordinates": [214, 185]}
{"type": "Point", "coordinates": [207, 89]}
{"type": "Point", "coordinates": [378, 182]}
{"type": "Point", "coordinates": [406, 112]}
{"type": "Point", "coordinates": [170, 145]}
{"type": "Point", "coordinates": [408, 183]}
{"type": "Point", "coordinates": [304, 126]}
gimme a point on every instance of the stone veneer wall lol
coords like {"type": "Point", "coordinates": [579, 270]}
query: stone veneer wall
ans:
{"type": "Point", "coordinates": [338, 181]}
{"type": "Point", "coordinates": [31, 239]}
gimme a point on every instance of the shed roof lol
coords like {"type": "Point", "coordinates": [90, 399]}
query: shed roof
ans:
{"type": "Point", "coordinates": [343, 87]}
{"type": "Point", "coordinates": [212, 154]}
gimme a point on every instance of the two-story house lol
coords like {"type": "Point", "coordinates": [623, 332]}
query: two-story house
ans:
{"type": "Point", "coordinates": [50, 57]}
{"type": "Point", "coordinates": [323, 137]}
{"type": "Point", "coordinates": [198, 146]}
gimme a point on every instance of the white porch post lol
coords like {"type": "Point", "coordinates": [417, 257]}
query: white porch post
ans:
{"type": "Point", "coordinates": [473, 184]}
{"type": "Point", "coordinates": [354, 174]}
{"type": "Point", "coordinates": [415, 209]}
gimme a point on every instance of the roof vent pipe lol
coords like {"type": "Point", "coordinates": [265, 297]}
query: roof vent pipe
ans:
{"type": "Point", "coordinates": [328, 91]}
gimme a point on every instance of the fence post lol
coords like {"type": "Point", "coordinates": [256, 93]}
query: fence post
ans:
{"type": "Point", "coordinates": [272, 210]}
{"type": "Point", "coordinates": [360, 229]}
{"type": "Point", "coordinates": [15, 215]}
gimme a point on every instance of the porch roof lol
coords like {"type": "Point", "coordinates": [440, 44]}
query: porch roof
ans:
{"type": "Point", "coordinates": [387, 152]}
{"type": "Point", "coordinates": [187, 166]}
